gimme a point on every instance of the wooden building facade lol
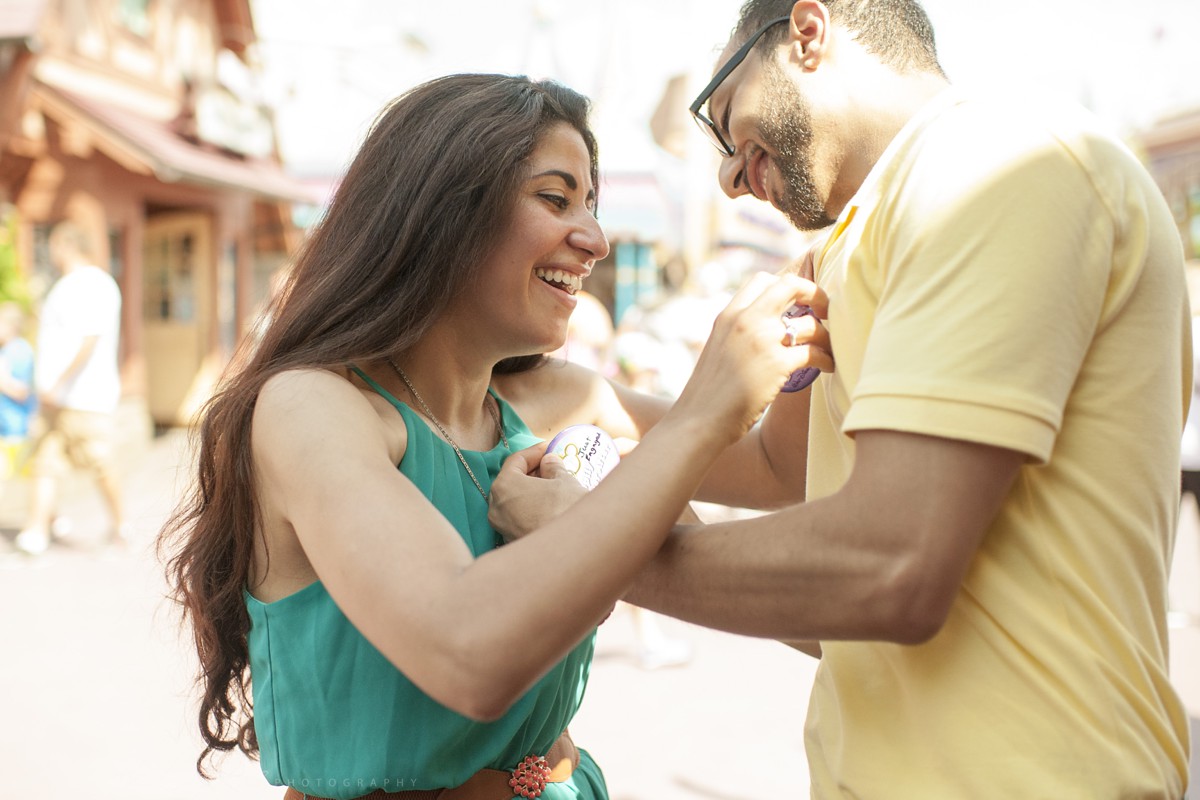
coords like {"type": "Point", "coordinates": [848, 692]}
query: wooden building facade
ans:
{"type": "Point", "coordinates": [1172, 152]}
{"type": "Point", "coordinates": [140, 121]}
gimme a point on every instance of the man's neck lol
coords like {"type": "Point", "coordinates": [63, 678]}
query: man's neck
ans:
{"type": "Point", "coordinates": [878, 124]}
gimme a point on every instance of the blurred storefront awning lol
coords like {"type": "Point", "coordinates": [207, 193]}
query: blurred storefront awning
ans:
{"type": "Point", "coordinates": [19, 19]}
{"type": "Point", "coordinates": [151, 147]}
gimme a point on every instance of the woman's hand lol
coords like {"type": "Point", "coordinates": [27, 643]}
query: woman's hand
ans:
{"type": "Point", "coordinates": [751, 353]}
{"type": "Point", "coordinates": [532, 488]}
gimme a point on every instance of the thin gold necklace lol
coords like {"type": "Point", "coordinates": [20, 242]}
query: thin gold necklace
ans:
{"type": "Point", "coordinates": [445, 434]}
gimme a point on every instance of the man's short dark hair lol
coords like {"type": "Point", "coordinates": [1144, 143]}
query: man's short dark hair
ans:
{"type": "Point", "coordinates": [898, 32]}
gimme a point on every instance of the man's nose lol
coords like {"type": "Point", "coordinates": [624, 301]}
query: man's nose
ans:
{"type": "Point", "coordinates": [732, 175]}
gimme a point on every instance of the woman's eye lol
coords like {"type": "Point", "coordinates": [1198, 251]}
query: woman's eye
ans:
{"type": "Point", "coordinates": [558, 200]}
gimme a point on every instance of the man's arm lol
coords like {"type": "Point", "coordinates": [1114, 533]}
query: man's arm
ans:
{"type": "Point", "coordinates": [86, 348]}
{"type": "Point", "coordinates": [882, 559]}
{"type": "Point", "coordinates": [809, 648]}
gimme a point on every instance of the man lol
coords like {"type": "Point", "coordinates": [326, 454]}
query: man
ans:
{"type": "Point", "coordinates": [78, 384]}
{"type": "Point", "coordinates": [992, 469]}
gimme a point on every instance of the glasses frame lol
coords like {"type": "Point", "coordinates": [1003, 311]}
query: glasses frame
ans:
{"type": "Point", "coordinates": [707, 126]}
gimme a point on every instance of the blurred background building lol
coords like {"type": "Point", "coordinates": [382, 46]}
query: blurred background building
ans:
{"type": "Point", "coordinates": [1172, 150]}
{"type": "Point", "coordinates": [198, 139]}
{"type": "Point", "coordinates": [142, 121]}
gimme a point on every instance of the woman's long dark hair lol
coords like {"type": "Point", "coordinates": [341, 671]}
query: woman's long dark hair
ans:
{"type": "Point", "coordinates": [430, 192]}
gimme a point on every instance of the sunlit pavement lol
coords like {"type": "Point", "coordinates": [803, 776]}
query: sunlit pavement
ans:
{"type": "Point", "coordinates": [96, 693]}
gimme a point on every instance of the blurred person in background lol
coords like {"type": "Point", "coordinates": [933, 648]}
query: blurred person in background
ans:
{"type": "Point", "coordinates": [18, 401]}
{"type": "Point", "coordinates": [335, 557]}
{"type": "Point", "coordinates": [590, 336]}
{"type": "Point", "coordinates": [993, 471]}
{"type": "Point", "coordinates": [78, 385]}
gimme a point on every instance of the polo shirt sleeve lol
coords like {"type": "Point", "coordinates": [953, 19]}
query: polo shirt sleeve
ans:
{"type": "Point", "coordinates": [993, 251]}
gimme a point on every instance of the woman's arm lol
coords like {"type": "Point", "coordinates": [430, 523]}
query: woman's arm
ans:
{"type": "Point", "coordinates": [458, 626]}
{"type": "Point", "coordinates": [764, 469]}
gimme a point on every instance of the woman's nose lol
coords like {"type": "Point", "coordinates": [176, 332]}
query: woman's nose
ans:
{"type": "Point", "coordinates": [590, 238]}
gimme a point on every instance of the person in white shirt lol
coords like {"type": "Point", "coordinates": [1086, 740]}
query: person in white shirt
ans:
{"type": "Point", "coordinates": [78, 384]}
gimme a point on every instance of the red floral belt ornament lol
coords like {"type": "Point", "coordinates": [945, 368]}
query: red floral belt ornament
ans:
{"type": "Point", "coordinates": [529, 778]}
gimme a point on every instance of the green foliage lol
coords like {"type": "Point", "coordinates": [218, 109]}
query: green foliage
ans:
{"type": "Point", "coordinates": [13, 285]}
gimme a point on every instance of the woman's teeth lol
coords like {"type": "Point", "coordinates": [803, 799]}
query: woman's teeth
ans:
{"type": "Point", "coordinates": [568, 282]}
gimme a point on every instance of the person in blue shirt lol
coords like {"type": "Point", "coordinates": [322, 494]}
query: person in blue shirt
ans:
{"type": "Point", "coordinates": [18, 401]}
{"type": "Point", "coordinates": [17, 398]}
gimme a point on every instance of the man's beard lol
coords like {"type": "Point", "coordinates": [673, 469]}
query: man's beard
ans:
{"type": "Point", "coordinates": [786, 127]}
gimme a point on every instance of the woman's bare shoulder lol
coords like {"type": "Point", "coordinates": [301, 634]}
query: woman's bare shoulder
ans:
{"type": "Point", "coordinates": [298, 385]}
{"type": "Point", "coordinates": [299, 404]}
{"type": "Point", "coordinates": [552, 395]}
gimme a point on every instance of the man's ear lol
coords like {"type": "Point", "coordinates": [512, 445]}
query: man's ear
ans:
{"type": "Point", "coordinates": [808, 32]}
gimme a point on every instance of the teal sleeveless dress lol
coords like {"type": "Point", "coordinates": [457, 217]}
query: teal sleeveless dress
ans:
{"type": "Point", "coordinates": [336, 719]}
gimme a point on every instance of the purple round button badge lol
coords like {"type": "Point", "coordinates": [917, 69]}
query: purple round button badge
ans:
{"type": "Point", "coordinates": [587, 452]}
{"type": "Point", "coordinates": [804, 376]}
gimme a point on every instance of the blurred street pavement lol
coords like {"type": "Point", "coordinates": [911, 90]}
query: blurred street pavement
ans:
{"type": "Point", "coordinates": [96, 695]}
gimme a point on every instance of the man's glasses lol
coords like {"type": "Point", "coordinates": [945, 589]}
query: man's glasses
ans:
{"type": "Point", "coordinates": [707, 125]}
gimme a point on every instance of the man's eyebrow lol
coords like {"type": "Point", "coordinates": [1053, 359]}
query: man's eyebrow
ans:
{"type": "Point", "coordinates": [567, 177]}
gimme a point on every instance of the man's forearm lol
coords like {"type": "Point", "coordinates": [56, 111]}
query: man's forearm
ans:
{"type": "Point", "coordinates": [748, 577]}
{"type": "Point", "coordinates": [809, 648]}
{"type": "Point", "coordinates": [883, 559]}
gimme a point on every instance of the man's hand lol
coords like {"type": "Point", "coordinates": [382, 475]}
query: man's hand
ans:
{"type": "Point", "coordinates": [532, 488]}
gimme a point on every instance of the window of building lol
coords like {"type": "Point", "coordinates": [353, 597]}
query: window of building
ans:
{"type": "Point", "coordinates": [116, 254]}
{"type": "Point", "coordinates": [227, 300]}
{"type": "Point", "coordinates": [43, 274]}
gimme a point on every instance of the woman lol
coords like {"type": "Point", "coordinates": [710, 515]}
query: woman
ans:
{"type": "Point", "coordinates": [336, 550]}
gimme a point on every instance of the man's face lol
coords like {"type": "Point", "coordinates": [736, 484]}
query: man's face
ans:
{"type": "Point", "coordinates": [769, 123]}
{"type": "Point", "coordinates": [785, 125]}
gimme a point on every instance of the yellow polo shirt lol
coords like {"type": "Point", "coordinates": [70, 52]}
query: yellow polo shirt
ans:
{"type": "Point", "coordinates": [1014, 278]}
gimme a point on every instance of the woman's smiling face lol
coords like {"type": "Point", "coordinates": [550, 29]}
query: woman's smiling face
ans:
{"type": "Point", "coordinates": [525, 291]}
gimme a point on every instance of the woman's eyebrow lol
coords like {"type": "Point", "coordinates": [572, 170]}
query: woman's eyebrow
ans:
{"type": "Point", "coordinates": [567, 177]}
